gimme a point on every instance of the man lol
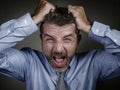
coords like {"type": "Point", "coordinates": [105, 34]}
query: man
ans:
{"type": "Point", "coordinates": [60, 37]}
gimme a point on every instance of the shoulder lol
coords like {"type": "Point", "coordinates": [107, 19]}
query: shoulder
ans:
{"type": "Point", "coordinates": [32, 54]}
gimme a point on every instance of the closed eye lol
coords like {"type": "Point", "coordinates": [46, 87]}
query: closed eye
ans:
{"type": "Point", "coordinates": [48, 38]}
{"type": "Point", "coordinates": [67, 40]}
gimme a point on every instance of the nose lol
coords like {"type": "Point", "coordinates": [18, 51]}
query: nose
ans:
{"type": "Point", "coordinates": [58, 48]}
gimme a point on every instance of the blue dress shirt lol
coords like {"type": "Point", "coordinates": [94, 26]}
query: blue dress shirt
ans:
{"type": "Point", "coordinates": [32, 67]}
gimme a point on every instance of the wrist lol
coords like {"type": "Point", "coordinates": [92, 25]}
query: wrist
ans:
{"type": "Point", "coordinates": [36, 19]}
{"type": "Point", "coordinates": [87, 28]}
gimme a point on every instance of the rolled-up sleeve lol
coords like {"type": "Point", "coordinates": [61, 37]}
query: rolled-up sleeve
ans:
{"type": "Point", "coordinates": [13, 62]}
{"type": "Point", "coordinates": [107, 63]}
{"type": "Point", "coordinates": [16, 30]}
{"type": "Point", "coordinates": [110, 38]}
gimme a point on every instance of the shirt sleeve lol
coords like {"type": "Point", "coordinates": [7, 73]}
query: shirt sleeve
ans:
{"type": "Point", "coordinates": [16, 30]}
{"type": "Point", "coordinates": [108, 37]}
{"type": "Point", "coordinates": [107, 63]}
{"type": "Point", "coordinates": [13, 62]}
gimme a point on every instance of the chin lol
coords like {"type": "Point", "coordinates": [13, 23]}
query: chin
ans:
{"type": "Point", "coordinates": [60, 69]}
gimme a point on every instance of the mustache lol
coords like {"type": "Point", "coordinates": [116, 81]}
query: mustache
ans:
{"type": "Point", "coordinates": [59, 55]}
{"type": "Point", "coordinates": [55, 54]}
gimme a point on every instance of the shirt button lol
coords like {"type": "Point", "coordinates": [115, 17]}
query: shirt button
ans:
{"type": "Point", "coordinates": [109, 34]}
{"type": "Point", "coordinates": [8, 31]}
{"type": "Point", "coordinates": [115, 40]}
{"type": "Point", "coordinates": [25, 21]}
{"type": "Point", "coordinates": [97, 30]}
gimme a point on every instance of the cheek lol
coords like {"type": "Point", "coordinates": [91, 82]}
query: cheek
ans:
{"type": "Point", "coordinates": [71, 49]}
{"type": "Point", "coordinates": [46, 48]}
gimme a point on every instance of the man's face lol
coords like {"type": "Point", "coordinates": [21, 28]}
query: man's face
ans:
{"type": "Point", "coordinates": [59, 44]}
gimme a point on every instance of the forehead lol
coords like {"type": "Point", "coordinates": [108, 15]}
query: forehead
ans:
{"type": "Point", "coordinates": [50, 28]}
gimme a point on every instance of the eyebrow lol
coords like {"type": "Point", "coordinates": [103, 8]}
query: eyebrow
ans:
{"type": "Point", "coordinates": [69, 35]}
{"type": "Point", "coordinates": [47, 35]}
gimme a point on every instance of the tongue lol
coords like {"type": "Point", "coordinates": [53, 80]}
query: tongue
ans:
{"type": "Point", "coordinates": [59, 62]}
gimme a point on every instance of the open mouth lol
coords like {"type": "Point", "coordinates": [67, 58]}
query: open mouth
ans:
{"type": "Point", "coordinates": [59, 61]}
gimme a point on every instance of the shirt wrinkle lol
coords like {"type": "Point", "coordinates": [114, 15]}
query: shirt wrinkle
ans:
{"type": "Point", "coordinates": [84, 69]}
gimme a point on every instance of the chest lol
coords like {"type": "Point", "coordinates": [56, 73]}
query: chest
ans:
{"type": "Point", "coordinates": [42, 80]}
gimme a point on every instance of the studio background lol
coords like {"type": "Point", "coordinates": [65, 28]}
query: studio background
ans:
{"type": "Point", "coordinates": [104, 11]}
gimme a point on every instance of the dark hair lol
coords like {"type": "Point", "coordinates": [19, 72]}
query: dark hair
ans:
{"type": "Point", "coordinates": [60, 16]}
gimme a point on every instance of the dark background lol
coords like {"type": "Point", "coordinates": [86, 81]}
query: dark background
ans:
{"type": "Point", "coordinates": [104, 11]}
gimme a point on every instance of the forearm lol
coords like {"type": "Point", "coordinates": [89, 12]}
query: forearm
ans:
{"type": "Point", "coordinates": [16, 30]}
{"type": "Point", "coordinates": [106, 36]}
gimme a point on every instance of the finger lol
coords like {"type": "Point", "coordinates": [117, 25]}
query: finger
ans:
{"type": "Point", "coordinates": [43, 0]}
{"type": "Point", "coordinates": [50, 6]}
{"type": "Point", "coordinates": [70, 8]}
{"type": "Point", "coordinates": [42, 3]}
{"type": "Point", "coordinates": [52, 9]}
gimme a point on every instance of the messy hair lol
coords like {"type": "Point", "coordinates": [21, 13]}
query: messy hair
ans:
{"type": "Point", "coordinates": [60, 17]}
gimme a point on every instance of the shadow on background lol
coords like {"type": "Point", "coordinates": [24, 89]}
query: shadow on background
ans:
{"type": "Point", "coordinates": [112, 84]}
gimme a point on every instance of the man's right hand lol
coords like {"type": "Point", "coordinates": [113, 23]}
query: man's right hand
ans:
{"type": "Point", "coordinates": [43, 8]}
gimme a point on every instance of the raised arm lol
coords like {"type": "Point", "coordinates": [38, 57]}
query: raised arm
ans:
{"type": "Point", "coordinates": [14, 62]}
{"type": "Point", "coordinates": [97, 31]}
{"type": "Point", "coordinates": [16, 30]}
{"type": "Point", "coordinates": [106, 63]}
